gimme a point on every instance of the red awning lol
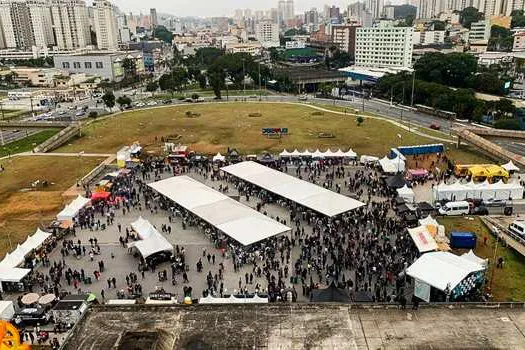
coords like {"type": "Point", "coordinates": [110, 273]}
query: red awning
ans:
{"type": "Point", "coordinates": [100, 195]}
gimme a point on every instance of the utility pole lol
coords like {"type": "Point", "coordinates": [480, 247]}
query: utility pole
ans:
{"type": "Point", "coordinates": [494, 263]}
{"type": "Point", "coordinates": [363, 95]}
{"type": "Point", "coordinates": [391, 96]}
{"type": "Point", "coordinates": [243, 81]}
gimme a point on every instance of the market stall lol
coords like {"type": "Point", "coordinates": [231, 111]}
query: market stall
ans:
{"type": "Point", "coordinates": [406, 193]}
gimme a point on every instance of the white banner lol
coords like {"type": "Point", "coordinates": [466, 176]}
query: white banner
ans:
{"type": "Point", "coordinates": [422, 290]}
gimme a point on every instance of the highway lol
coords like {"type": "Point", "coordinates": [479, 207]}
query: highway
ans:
{"type": "Point", "coordinates": [8, 135]}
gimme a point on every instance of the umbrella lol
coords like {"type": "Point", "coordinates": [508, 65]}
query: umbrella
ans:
{"type": "Point", "coordinates": [46, 299]}
{"type": "Point", "coordinates": [91, 297]}
{"type": "Point", "coordinates": [30, 298]}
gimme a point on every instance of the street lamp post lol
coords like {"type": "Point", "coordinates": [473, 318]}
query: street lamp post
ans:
{"type": "Point", "coordinates": [413, 84]}
{"type": "Point", "coordinates": [243, 81]}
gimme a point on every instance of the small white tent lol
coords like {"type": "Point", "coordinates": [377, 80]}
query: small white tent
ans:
{"type": "Point", "coordinates": [406, 193]}
{"type": "Point", "coordinates": [510, 167]}
{"type": "Point", "coordinates": [296, 153]}
{"type": "Point", "coordinates": [219, 158]}
{"type": "Point", "coordinates": [318, 154]}
{"type": "Point", "coordinates": [285, 153]}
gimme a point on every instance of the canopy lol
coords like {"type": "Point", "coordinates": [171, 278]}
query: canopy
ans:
{"type": "Point", "coordinates": [395, 181]}
{"type": "Point", "coordinates": [152, 241]}
{"type": "Point", "coordinates": [391, 166]}
{"type": "Point", "coordinates": [484, 190]}
{"type": "Point", "coordinates": [429, 220]}
{"type": "Point", "coordinates": [422, 239]}
{"type": "Point", "coordinates": [351, 154]}
{"type": "Point", "coordinates": [219, 158]}
{"type": "Point", "coordinates": [73, 208]}
{"type": "Point", "coordinates": [318, 154]}
{"type": "Point", "coordinates": [285, 153]}
{"type": "Point", "coordinates": [332, 294]}
{"type": "Point", "coordinates": [296, 153]}
{"type": "Point", "coordinates": [234, 300]}
{"type": "Point", "coordinates": [35, 241]}
{"type": "Point", "coordinates": [302, 192]}
{"type": "Point", "coordinates": [242, 223]}
{"type": "Point", "coordinates": [440, 269]}
{"type": "Point", "coordinates": [406, 193]}
{"type": "Point", "coordinates": [7, 310]}
{"type": "Point", "coordinates": [474, 258]}
{"type": "Point", "coordinates": [510, 167]}
{"type": "Point", "coordinates": [367, 159]}
{"type": "Point", "coordinates": [30, 298]}
{"type": "Point", "coordinates": [100, 196]}
{"type": "Point", "coordinates": [14, 274]}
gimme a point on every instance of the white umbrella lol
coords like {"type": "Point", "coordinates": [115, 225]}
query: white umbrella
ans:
{"type": "Point", "coordinates": [30, 298]}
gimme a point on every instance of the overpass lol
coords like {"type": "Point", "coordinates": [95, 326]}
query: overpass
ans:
{"type": "Point", "coordinates": [33, 124]}
{"type": "Point", "coordinates": [474, 137]}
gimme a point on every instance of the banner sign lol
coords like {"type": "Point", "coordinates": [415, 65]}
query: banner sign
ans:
{"type": "Point", "coordinates": [269, 131]}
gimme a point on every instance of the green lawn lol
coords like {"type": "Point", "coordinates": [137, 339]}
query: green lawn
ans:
{"type": "Point", "coordinates": [27, 143]}
{"type": "Point", "coordinates": [12, 114]}
{"type": "Point", "coordinates": [508, 283]}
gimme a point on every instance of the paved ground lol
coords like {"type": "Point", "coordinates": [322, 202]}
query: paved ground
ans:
{"type": "Point", "coordinates": [312, 326]}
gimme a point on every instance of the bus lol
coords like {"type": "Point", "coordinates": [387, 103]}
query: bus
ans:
{"type": "Point", "coordinates": [436, 112]}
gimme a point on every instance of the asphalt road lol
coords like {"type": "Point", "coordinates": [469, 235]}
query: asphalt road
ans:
{"type": "Point", "coordinates": [8, 135]}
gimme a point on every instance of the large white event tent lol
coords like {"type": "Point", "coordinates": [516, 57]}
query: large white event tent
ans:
{"type": "Point", "coordinates": [302, 192]}
{"type": "Point", "coordinates": [72, 209]}
{"type": "Point", "coordinates": [151, 240]}
{"type": "Point", "coordinates": [439, 269]}
{"type": "Point", "coordinates": [318, 154]}
{"type": "Point", "coordinates": [485, 190]}
{"type": "Point", "coordinates": [242, 223]}
{"type": "Point", "coordinates": [9, 272]}
{"type": "Point", "coordinates": [233, 300]}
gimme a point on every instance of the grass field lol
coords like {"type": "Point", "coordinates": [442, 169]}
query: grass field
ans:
{"type": "Point", "coordinates": [507, 284]}
{"type": "Point", "coordinates": [22, 209]}
{"type": "Point", "coordinates": [27, 143]}
{"type": "Point", "coordinates": [12, 114]}
{"type": "Point", "coordinates": [229, 125]}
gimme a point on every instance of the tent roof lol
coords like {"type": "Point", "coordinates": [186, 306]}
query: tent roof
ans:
{"type": "Point", "coordinates": [474, 258]}
{"type": "Point", "coordinates": [151, 240]}
{"type": "Point", "coordinates": [219, 157]}
{"type": "Point", "coordinates": [14, 274]}
{"type": "Point", "coordinates": [242, 223]}
{"type": "Point", "coordinates": [422, 239]}
{"type": "Point", "coordinates": [330, 294]}
{"type": "Point", "coordinates": [510, 166]}
{"type": "Point", "coordinates": [72, 209]}
{"type": "Point", "coordinates": [429, 220]}
{"type": "Point", "coordinates": [441, 268]}
{"type": "Point", "coordinates": [35, 241]}
{"type": "Point", "coordinates": [405, 191]}
{"type": "Point", "coordinates": [285, 153]}
{"type": "Point", "coordinates": [395, 181]}
{"type": "Point", "coordinates": [302, 192]}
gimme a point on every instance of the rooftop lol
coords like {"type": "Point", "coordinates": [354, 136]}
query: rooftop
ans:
{"type": "Point", "coordinates": [301, 326]}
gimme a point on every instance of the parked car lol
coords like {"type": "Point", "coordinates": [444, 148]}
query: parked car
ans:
{"type": "Point", "coordinates": [189, 100]}
{"type": "Point", "coordinates": [303, 98]}
{"type": "Point", "coordinates": [80, 113]}
{"type": "Point", "coordinates": [435, 126]}
{"type": "Point", "coordinates": [31, 317]}
{"type": "Point", "coordinates": [158, 258]}
{"type": "Point", "coordinates": [140, 104]}
{"type": "Point", "coordinates": [480, 211]}
{"type": "Point", "coordinates": [166, 102]}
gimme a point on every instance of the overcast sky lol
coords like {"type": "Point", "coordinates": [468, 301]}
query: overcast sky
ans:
{"type": "Point", "coordinates": [207, 8]}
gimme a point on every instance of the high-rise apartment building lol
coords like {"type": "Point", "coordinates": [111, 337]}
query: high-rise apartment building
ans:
{"type": "Point", "coordinates": [344, 37]}
{"type": "Point", "coordinates": [375, 7]}
{"type": "Point", "coordinates": [154, 21]}
{"type": "Point", "coordinates": [289, 12]}
{"type": "Point", "coordinates": [105, 25]}
{"type": "Point", "coordinates": [26, 24]}
{"type": "Point", "coordinates": [384, 46]}
{"type": "Point", "coordinates": [311, 20]}
{"type": "Point", "coordinates": [267, 33]}
{"type": "Point", "coordinates": [70, 24]}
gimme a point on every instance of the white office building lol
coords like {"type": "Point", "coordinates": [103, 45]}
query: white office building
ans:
{"type": "Point", "coordinates": [384, 46]}
{"type": "Point", "coordinates": [70, 24]}
{"type": "Point", "coordinates": [429, 37]}
{"type": "Point", "coordinates": [106, 25]}
{"type": "Point", "coordinates": [479, 31]}
{"type": "Point", "coordinates": [267, 33]}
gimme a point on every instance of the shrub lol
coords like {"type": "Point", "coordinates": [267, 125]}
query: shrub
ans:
{"type": "Point", "coordinates": [509, 124]}
{"type": "Point", "coordinates": [360, 120]}
{"type": "Point", "coordinates": [254, 115]}
{"type": "Point", "coordinates": [93, 114]}
{"type": "Point", "coordinates": [195, 96]}
{"type": "Point", "coordinates": [317, 113]}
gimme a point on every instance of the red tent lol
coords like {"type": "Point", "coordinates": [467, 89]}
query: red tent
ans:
{"type": "Point", "coordinates": [100, 196]}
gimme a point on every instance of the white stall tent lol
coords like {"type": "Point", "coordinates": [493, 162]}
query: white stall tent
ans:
{"type": "Point", "coordinates": [296, 153]}
{"type": "Point", "coordinates": [510, 167]}
{"type": "Point", "coordinates": [391, 166]}
{"type": "Point", "coordinates": [219, 158]}
{"type": "Point", "coordinates": [152, 241]}
{"type": "Point", "coordinates": [423, 239]}
{"type": "Point", "coordinates": [406, 193]}
{"type": "Point", "coordinates": [233, 300]}
{"type": "Point", "coordinates": [318, 154]}
{"type": "Point", "coordinates": [484, 190]}
{"type": "Point", "coordinates": [474, 258]}
{"type": "Point", "coordinates": [368, 159]}
{"type": "Point", "coordinates": [121, 302]}
{"type": "Point", "coordinates": [442, 269]}
{"type": "Point", "coordinates": [302, 192]}
{"type": "Point", "coordinates": [242, 223]}
{"type": "Point", "coordinates": [429, 220]}
{"type": "Point", "coordinates": [72, 209]}
{"type": "Point", "coordinates": [7, 310]}
{"type": "Point", "coordinates": [285, 153]}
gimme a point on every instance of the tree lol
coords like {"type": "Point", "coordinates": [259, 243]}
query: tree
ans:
{"type": "Point", "coordinates": [487, 82]}
{"type": "Point", "coordinates": [163, 34]}
{"type": "Point", "coordinates": [124, 101]}
{"type": "Point", "coordinates": [469, 15]}
{"type": "Point", "coordinates": [518, 19]}
{"type": "Point", "coordinates": [152, 86]}
{"type": "Point", "coordinates": [201, 79]}
{"type": "Point", "coordinates": [216, 78]}
{"type": "Point", "coordinates": [179, 77]}
{"type": "Point", "coordinates": [274, 54]}
{"type": "Point", "coordinates": [438, 25]}
{"type": "Point", "coordinates": [293, 31]}
{"type": "Point", "coordinates": [166, 82]}
{"type": "Point", "coordinates": [109, 99]}
{"type": "Point", "coordinates": [500, 39]}
{"type": "Point", "coordinates": [360, 120]}
{"type": "Point", "coordinates": [448, 69]}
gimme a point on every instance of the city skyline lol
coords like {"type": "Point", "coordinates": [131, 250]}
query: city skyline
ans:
{"type": "Point", "coordinates": [187, 8]}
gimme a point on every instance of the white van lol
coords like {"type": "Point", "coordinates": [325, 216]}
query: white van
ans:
{"type": "Point", "coordinates": [518, 227]}
{"type": "Point", "coordinates": [455, 208]}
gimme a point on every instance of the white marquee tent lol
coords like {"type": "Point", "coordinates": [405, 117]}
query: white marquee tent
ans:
{"type": "Point", "coordinates": [318, 154]}
{"type": "Point", "coordinates": [484, 190]}
{"type": "Point", "coordinates": [152, 241]}
{"type": "Point", "coordinates": [219, 158]}
{"type": "Point", "coordinates": [474, 258]}
{"type": "Point", "coordinates": [72, 209]}
{"type": "Point", "coordinates": [285, 153]}
{"type": "Point", "coordinates": [242, 223]}
{"type": "Point", "coordinates": [391, 166]}
{"type": "Point", "coordinates": [368, 159]}
{"type": "Point", "coordinates": [302, 192]}
{"type": "Point", "coordinates": [233, 300]}
{"type": "Point", "coordinates": [439, 269]}
{"type": "Point", "coordinates": [406, 193]}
